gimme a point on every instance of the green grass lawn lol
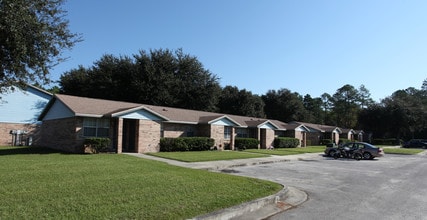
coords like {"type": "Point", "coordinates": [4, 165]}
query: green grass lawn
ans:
{"type": "Point", "coordinates": [200, 156]}
{"type": "Point", "coordinates": [41, 184]}
{"type": "Point", "coordinates": [402, 150]}
{"type": "Point", "coordinates": [289, 151]}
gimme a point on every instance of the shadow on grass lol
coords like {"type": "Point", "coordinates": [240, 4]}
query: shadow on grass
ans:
{"type": "Point", "coordinates": [28, 150]}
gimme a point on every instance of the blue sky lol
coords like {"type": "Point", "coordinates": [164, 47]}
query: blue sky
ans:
{"type": "Point", "coordinates": [306, 46]}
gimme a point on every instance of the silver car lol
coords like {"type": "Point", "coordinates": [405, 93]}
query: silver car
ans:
{"type": "Point", "coordinates": [367, 150]}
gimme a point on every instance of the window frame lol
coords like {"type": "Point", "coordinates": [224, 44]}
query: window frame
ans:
{"type": "Point", "coordinates": [227, 132]}
{"type": "Point", "coordinates": [242, 132]}
{"type": "Point", "coordinates": [97, 124]}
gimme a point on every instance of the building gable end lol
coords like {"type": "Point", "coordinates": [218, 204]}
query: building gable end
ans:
{"type": "Point", "coordinates": [58, 110]}
{"type": "Point", "coordinates": [223, 121]}
{"type": "Point", "coordinates": [140, 114]}
{"type": "Point", "coordinates": [22, 106]}
{"type": "Point", "coordinates": [267, 126]}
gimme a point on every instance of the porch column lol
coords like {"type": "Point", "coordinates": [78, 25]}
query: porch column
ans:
{"type": "Point", "coordinates": [333, 138]}
{"type": "Point", "coordinates": [119, 135]}
{"type": "Point", "coordinates": [305, 139]}
{"type": "Point", "coordinates": [258, 137]}
{"type": "Point", "coordinates": [232, 138]}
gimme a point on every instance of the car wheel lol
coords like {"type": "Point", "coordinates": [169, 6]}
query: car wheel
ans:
{"type": "Point", "coordinates": [336, 155]}
{"type": "Point", "coordinates": [357, 156]}
{"type": "Point", "coordinates": [367, 156]}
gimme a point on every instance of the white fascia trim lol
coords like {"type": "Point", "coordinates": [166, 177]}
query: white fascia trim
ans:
{"type": "Point", "coordinates": [181, 122]}
{"type": "Point", "coordinates": [139, 108]}
{"type": "Point", "coordinates": [89, 115]}
{"type": "Point", "coordinates": [268, 121]}
{"type": "Point", "coordinates": [224, 116]}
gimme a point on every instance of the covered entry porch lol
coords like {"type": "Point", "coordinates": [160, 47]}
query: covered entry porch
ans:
{"type": "Point", "coordinates": [137, 130]}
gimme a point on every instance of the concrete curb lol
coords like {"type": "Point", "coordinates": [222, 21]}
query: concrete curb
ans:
{"type": "Point", "coordinates": [287, 198]}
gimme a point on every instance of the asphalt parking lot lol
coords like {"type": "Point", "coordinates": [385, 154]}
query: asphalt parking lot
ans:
{"type": "Point", "coordinates": [390, 187]}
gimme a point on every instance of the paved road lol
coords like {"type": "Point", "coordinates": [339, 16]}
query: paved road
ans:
{"type": "Point", "coordinates": [392, 187]}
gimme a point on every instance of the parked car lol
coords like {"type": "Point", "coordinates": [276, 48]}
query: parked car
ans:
{"type": "Point", "coordinates": [367, 150]}
{"type": "Point", "coordinates": [416, 143]}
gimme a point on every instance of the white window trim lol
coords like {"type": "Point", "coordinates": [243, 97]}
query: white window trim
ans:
{"type": "Point", "coordinates": [99, 123]}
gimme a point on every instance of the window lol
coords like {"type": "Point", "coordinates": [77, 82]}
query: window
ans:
{"type": "Point", "coordinates": [190, 134]}
{"type": "Point", "coordinates": [95, 127]}
{"type": "Point", "coordinates": [242, 132]}
{"type": "Point", "coordinates": [227, 133]}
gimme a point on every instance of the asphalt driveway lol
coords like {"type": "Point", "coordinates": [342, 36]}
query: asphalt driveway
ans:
{"type": "Point", "coordinates": [391, 187]}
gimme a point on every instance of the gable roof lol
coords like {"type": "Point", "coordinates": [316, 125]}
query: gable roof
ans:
{"type": "Point", "coordinates": [44, 92]}
{"type": "Point", "coordinates": [82, 106]}
{"type": "Point", "coordinates": [319, 127]}
{"type": "Point", "coordinates": [347, 130]}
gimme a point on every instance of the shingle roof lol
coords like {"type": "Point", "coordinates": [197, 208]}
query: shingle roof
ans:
{"type": "Point", "coordinates": [90, 106]}
{"type": "Point", "coordinates": [319, 127]}
{"type": "Point", "coordinates": [106, 108]}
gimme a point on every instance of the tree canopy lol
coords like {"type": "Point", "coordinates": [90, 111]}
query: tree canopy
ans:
{"type": "Point", "coordinates": [401, 115]}
{"type": "Point", "coordinates": [33, 35]}
{"type": "Point", "coordinates": [172, 78]}
{"type": "Point", "coordinates": [284, 105]}
{"type": "Point", "coordinates": [240, 102]}
{"type": "Point", "coordinates": [158, 77]}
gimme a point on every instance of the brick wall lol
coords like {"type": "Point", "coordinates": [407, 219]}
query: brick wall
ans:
{"type": "Point", "coordinates": [148, 136]}
{"type": "Point", "coordinates": [63, 134]}
{"type": "Point", "coordinates": [32, 129]}
{"type": "Point", "coordinates": [269, 137]}
{"type": "Point", "coordinates": [300, 136]}
{"type": "Point", "coordinates": [217, 133]}
{"type": "Point", "coordinates": [179, 130]}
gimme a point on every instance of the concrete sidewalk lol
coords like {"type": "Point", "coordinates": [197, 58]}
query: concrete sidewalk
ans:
{"type": "Point", "coordinates": [288, 197]}
{"type": "Point", "coordinates": [226, 164]}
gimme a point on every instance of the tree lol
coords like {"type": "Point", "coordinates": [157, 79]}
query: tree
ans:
{"type": "Point", "coordinates": [345, 106]}
{"type": "Point", "coordinates": [33, 35]}
{"type": "Point", "coordinates": [424, 85]}
{"type": "Point", "coordinates": [240, 102]}
{"type": "Point", "coordinates": [401, 115]}
{"type": "Point", "coordinates": [411, 104]}
{"type": "Point", "coordinates": [284, 105]}
{"type": "Point", "coordinates": [159, 77]}
{"type": "Point", "coordinates": [327, 108]}
{"type": "Point", "coordinates": [314, 109]}
{"type": "Point", "coordinates": [365, 99]}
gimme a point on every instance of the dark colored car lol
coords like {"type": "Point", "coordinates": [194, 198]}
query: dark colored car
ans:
{"type": "Point", "coordinates": [367, 150]}
{"type": "Point", "coordinates": [416, 143]}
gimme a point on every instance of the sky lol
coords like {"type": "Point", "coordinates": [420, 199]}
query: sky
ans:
{"type": "Point", "coordinates": [307, 46]}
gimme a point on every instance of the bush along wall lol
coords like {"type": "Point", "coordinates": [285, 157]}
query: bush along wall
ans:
{"type": "Point", "coordinates": [286, 142]}
{"type": "Point", "coordinates": [387, 141]}
{"type": "Point", "coordinates": [95, 145]}
{"type": "Point", "coordinates": [186, 144]}
{"type": "Point", "coordinates": [246, 143]}
{"type": "Point", "coordinates": [343, 141]}
{"type": "Point", "coordinates": [325, 141]}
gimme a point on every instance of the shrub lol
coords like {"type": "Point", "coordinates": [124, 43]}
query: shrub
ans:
{"type": "Point", "coordinates": [286, 142]}
{"type": "Point", "coordinates": [96, 145]}
{"type": "Point", "coordinates": [172, 144]}
{"type": "Point", "coordinates": [343, 141]}
{"type": "Point", "coordinates": [387, 141]}
{"type": "Point", "coordinates": [186, 144]}
{"type": "Point", "coordinates": [325, 141]}
{"type": "Point", "coordinates": [198, 143]}
{"type": "Point", "coordinates": [246, 143]}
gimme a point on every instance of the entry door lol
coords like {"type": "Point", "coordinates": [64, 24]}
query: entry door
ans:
{"type": "Point", "coordinates": [129, 135]}
{"type": "Point", "coordinates": [263, 137]}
